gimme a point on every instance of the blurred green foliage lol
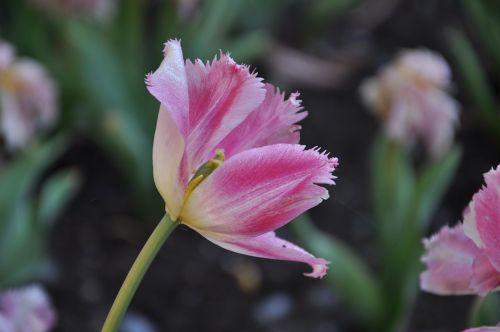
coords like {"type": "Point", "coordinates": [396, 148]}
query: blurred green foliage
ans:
{"type": "Point", "coordinates": [25, 215]}
{"type": "Point", "coordinates": [485, 310]}
{"type": "Point", "coordinates": [477, 79]}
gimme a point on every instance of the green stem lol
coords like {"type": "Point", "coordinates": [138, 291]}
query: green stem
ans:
{"type": "Point", "coordinates": [136, 273]}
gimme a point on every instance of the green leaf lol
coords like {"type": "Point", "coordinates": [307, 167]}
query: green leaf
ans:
{"type": "Point", "coordinates": [57, 191]}
{"type": "Point", "coordinates": [348, 274]}
{"type": "Point", "coordinates": [120, 121]}
{"type": "Point", "coordinates": [207, 37]}
{"type": "Point", "coordinates": [20, 245]}
{"type": "Point", "coordinates": [393, 183]}
{"type": "Point", "coordinates": [20, 235]}
{"type": "Point", "coordinates": [485, 311]}
{"type": "Point", "coordinates": [393, 187]}
{"type": "Point", "coordinates": [19, 176]}
{"type": "Point", "coordinates": [486, 16]}
{"type": "Point", "coordinates": [321, 12]}
{"type": "Point", "coordinates": [432, 184]}
{"type": "Point", "coordinates": [249, 46]}
{"type": "Point", "coordinates": [474, 78]}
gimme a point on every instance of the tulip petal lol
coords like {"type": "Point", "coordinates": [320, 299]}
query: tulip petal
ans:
{"type": "Point", "coordinates": [485, 278]}
{"type": "Point", "coordinates": [273, 122]}
{"type": "Point", "coordinates": [270, 246]}
{"type": "Point", "coordinates": [7, 54]}
{"type": "Point", "coordinates": [259, 190]}
{"type": "Point", "coordinates": [449, 258]}
{"type": "Point", "coordinates": [439, 122]}
{"type": "Point", "coordinates": [428, 65]}
{"type": "Point", "coordinates": [482, 221]}
{"type": "Point", "coordinates": [169, 85]}
{"type": "Point", "coordinates": [13, 124]}
{"type": "Point", "coordinates": [27, 309]}
{"type": "Point", "coordinates": [484, 329]}
{"type": "Point", "coordinates": [221, 95]}
{"type": "Point", "coordinates": [168, 149]}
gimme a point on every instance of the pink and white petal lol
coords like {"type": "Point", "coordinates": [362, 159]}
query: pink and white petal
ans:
{"type": "Point", "coordinates": [431, 67]}
{"type": "Point", "coordinates": [15, 122]}
{"type": "Point", "coordinates": [168, 170]}
{"type": "Point", "coordinates": [7, 54]}
{"type": "Point", "coordinates": [485, 278]}
{"type": "Point", "coordinates": [270, 246]}
{"type": "Point", "coordinates": [6, 324]}
{"type": "Point", "coordinates": [27, 309]}
{"type": "Point", "coordinates": [404, 118]}
{"type": "Point", "coordinates": [439, 120]}
{"type": "Point", "coordinates": [449, 256]}
{"type": "Point", "coordinates": [373, 95]}
{"type": "Point", "coordinates": [169, 85]}
{"type": "Point", "coordinates": [221, 95]}
{"type": "Point", "coordinates": [484, 329]}
{"type": "Point", "coordinates": [260, 190]}
{"type": "Point", "coordinates": [273, 122]}
{"type": "Point", "coordinates": [37, 91]}
{"type": "Point", "coordinates": [486, 208]}
{"type": "Point", "coordinates": [469, 225]}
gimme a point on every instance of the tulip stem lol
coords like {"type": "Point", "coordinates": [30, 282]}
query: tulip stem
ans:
{"type": "Point", "coordinates": [136, 273]}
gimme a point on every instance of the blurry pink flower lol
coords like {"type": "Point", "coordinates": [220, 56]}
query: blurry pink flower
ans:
{"type": "Point", "coordinates": [100, 9]}
{"type": "Point", "coordinates": [26, 309]}
{"type": "Point", "coordinates": [219, 110]}
{"type": "Point", "coordinates": [187, 9]}
{"type": "Point", "coordinates": [410, 97]}
{"type": "Point", "coordinates": [466, 259]}
{"type": "Point", "coordinates": [484, 329]}
{"type": "Point", "coordinates": [27, 98]}
{"type": "Point", "coordinates": [7, 54]}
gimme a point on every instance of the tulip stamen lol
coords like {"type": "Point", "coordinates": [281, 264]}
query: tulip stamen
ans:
{"type": "Point", "coordinates": [202, 173]}
{"type": "Point", "coordinates": [207, 168]}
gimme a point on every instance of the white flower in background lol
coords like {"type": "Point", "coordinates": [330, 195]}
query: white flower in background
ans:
{"type": "Point", "coordinates": [100, 9]}
{"type": "Point", "coordinates": [410, 96]}
{"type": "Point", "coordinates": [28, 98]}
{"type": "Point", "coordinates": [6, 55]}
{"type": "Point", "coordinates": [26, 309]}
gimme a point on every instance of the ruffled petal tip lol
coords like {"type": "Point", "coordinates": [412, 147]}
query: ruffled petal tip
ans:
{"type": "Point", "coordinates": [320, 267]}
{"type": "Point", "coordinates": [167, 46]}
{"type": "Point", "coordinates": [294, 99]}
{"type": "Point", "coordinates": [330, 164]}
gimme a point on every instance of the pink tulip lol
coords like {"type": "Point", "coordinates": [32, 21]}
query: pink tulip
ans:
{"type": "Point", "coordinates": [27, 98]}
{"type": "Point", "coordinates": [7, 54]}
{"type": "Point", "coordinates": [484, 329]}
{"type": "Point", "coordinates": [226, 159]}
{"type": "Point", "coordinates": [26, 309]}
{"type": "Point", "coordinates": [410, 97]}
{"type": "Point", "coordinates": [466, 259]}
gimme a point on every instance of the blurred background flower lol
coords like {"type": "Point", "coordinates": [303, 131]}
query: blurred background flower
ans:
{"type": "Point", "coordinates": [99, 9]}
{"type": "Point", "coordinates": [26, 309]}
{"type": "Point", "coordinates": [28, 98]}
{"type": "Point", "coordinates": [410, 97]}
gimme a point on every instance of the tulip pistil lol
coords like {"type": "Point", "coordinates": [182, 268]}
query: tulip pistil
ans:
{"type": "Point", "coordinates": [202, 173]}
{"type": "Point", "coordinates": [207, 168]}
